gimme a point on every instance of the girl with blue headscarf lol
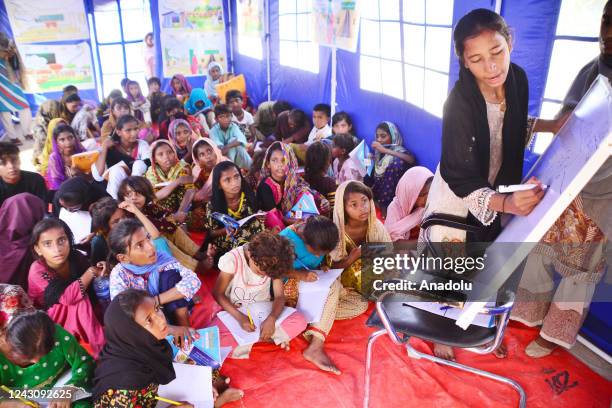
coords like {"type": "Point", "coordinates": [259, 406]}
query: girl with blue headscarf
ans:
{"type": "Point", "coordinates": [391, 160]}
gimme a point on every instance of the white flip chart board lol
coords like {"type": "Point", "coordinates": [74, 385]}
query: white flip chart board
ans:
{"type": "Point", "coordinates": [582, 145]}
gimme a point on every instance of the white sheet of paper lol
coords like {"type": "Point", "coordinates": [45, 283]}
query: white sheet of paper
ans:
{"type": "Point", "coordinates": [259, 311]}
{"type": "Point", "coordinates": [192, 384]}
{"type": "Point", "coordinates": [163, 184]}
{"type": "Point", "coordinates": [313, 295]}
{"type": "Point", "coordinates": [78, 221]}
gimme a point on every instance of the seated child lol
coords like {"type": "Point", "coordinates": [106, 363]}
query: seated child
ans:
{"type": "Point", "coordinates": [180, 88]}
{"type": "Point", "coordinates": [292, 127]}
{"type": "Point", "coordinates": [215, 76]}
{"type": "Point", "coordinates": [138, 358]}
{"type": "Point", "coordinates": [119, 107]}
{"type": "Point", "coordinates": [312, 241]}
{"type": "Point", "coordinates": [13, 180]}
{"type": "Point", "coordinates": [232, 196]}
{"type": "Point", "coordinates": [345, 168]}
{"type": "Point", "coordinates": [155, 98]}
{"type": "Point", "coordinates": [182, 137]}
{"type": "Point", "coordinates": [141, 266]}
{"type": "Point", "coordinates": [140, 105]}
{"type": "Point", "coordinates": [405, 213]}
{"type": "Point", "coordinates": [171, 179]}
{"type": "Point", "coordinates": [76, 194]}
{"type": "Point", "coordinates": [122, 155]}
{"type": "Point", "coordinates": [249, 274]}
{"type": "Point", "coordinates": [60, 282]}
{"type": "Point", "coordinates": [174, 109]}
{"type": "Point", "coordinates": [35, 352]}
{"type": "Point", "coordinates": [138, 191]}
{"type": "Point", "coordinates": [229, 138]}
{"type": "Point", "coordinates": [391, 160]}
{"type": "Point", "coordinates": [241, 117]}
{"type": "Point", "coordinates": [199, 106]}
{"type": "Point", "coordinates": [316, 169]}
{"type": "Point", "coordinates": [105, 215]}
{"type": "Point", "coordinates": [320, 118]}
{"type": "Point", "coordinates": [65, 143]}
{"type": "Point", "coordinates": [342, 123]}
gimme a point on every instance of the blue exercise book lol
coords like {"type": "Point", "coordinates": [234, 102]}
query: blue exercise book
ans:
{"type": "Point", "coordinates": [205, 351]}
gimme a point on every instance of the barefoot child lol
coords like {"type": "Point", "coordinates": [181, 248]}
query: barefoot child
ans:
{"type": "Point", "coordinates": [312, 241]}
{"type": "Point", "coordinates": [138, 358]}
{"type": "Point", "coordinates": [247, 274]}
{"type": "Point", "coordinates": [141, 266]}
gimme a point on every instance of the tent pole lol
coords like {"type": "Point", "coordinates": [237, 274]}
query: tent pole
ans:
{"type": "Point", "coordinates": [498, 6]}
{"type": "Point", "coordinates": [333, 79]}
{"type": "Point", "coordinates": [267, 38]}
{"type": "Point", "coordinates": [231, 43]}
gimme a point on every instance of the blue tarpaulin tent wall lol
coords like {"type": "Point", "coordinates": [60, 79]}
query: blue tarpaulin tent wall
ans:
{"type": "Point", "coordinates": [533, 24]}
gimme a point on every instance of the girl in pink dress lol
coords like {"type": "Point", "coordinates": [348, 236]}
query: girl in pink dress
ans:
{"type": "Point", "coordinates": [60, 282]}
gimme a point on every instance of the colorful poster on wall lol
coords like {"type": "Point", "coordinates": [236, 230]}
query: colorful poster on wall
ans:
{"type": "Point", "coordinates": [45, 21]}
{"type": "Point", "coordinates": [192, 35]}
{"type": "Point", "coordinates": [51, 67]}
{"type": "Point", "coordinates": [190, 53]}
{"type": "Point", "coordinates": [336, 23]}
{"type": "Point", "coordinates": [250, 27]}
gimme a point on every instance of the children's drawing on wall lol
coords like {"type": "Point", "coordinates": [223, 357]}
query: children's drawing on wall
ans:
{"type": "Point", "coordinates": [52, 67]}
{"type": "Point", "coordinates": [336, 23]}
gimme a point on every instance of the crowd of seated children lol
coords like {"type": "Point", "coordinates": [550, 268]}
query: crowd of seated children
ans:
{"type": "Point", "coordinates": [172, 170]}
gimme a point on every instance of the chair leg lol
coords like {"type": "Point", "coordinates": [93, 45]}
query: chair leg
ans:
{"type": "Point", "coordinates": [417, 354]}
{"type": "Point", "coordinates": [371, 340]}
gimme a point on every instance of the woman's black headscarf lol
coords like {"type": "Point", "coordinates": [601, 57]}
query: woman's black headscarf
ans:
{"type": "Point", "coordinates": [466, 137]}
{"type": "Point", "coordinates": [132, 358]}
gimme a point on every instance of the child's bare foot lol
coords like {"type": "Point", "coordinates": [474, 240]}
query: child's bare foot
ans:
{"type": "Point", "coordinates": [315, 353]}
{"type": "Point", "coordinates": [221, 383]}
{"type": "Point", "coordinates": [443, 351]}
{"type": "Point", "coordinates": [229, 395]}
{"type": "Point", "coordinates": [501, 351]}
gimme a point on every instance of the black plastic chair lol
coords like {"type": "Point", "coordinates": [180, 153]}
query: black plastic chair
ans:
{"type": "Point", "coordinates": [400, 321]}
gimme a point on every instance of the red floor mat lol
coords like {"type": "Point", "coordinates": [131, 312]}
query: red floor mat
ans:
{"type": "Point", "coordinates": [274, 378]}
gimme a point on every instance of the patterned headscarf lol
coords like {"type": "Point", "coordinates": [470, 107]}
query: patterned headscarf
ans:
{"type": "Point", "coordinates": [155, 174]}
{"type": "Point", "coordinates": [172, 132]}
{"type": "Point", "coordinates": [186, 87]}
{"type": "Point", "coordinates": [58, 162]}
{"type": "Point", "coordinates": [44, 161]}
{"type": "Point", "coordinates": [13, 301]}
{"type": "Point", "coordinates": [397, 145]}
{"type": "Point", "coordinates": [376, 230]}
{"type": "Point", "coordinates": [294, 184]}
